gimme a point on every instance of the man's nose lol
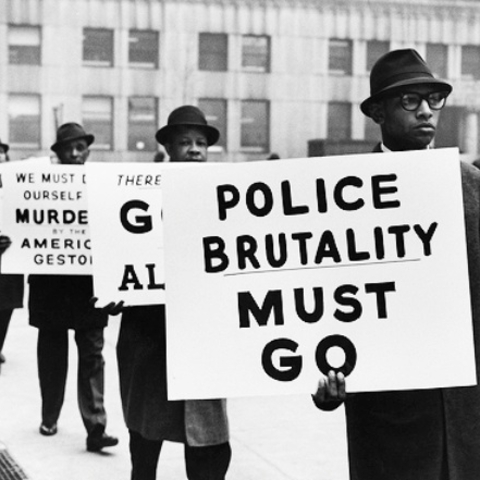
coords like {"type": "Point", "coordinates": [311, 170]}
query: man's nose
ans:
{"type": "Point", "coordinates": [424, 109]}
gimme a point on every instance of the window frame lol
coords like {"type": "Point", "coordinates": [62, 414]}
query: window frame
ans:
{"type": "Point", "coordinates": [150, 137]}
{"type": "Point", "coordinates": [265, 147]}
{"type": "Point", "coordinates": [87, 121]}
{"type": "Point", "coordinates": [206, 56]}
{"type": "Point", "coordinates": [378, 51]}
{"type": "Point", "coordinates": [38, 123]}
{"type": "Point", "coordinates": [37, 48]}
{"type": "Point", "coordinates": [348, 61]}
{"type": "Point", "coordinates": [470, 75]}
{"type": "Point", "coordinates": [99, 63]}
{"type": "Point", "coordinates": [332, 126]}
{"type": "Point", "coordinates": [221, 125]}
{"type": "Point", "coordinates": [147, 65]}
{"type": "Point", "coordinates": [266, 63]}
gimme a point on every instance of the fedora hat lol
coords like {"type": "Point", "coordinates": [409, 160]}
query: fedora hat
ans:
{"type": "Point", "coordinates": [187, 116]}
{"type": "Point", "coordinates": [5, 147]}
{"type": "Point", "coordinates": [397, 69]}
{"type": "Point", "coordinates": [71, 131]}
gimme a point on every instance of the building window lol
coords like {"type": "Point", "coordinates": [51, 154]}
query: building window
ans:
{"type": "Point", "coordinates": [255, 126]}
{"type": "Point", "coordinates": [97, 118]}
{"type": "Point", "coordinates": [213, 52]}
{"type": "Point", "coordinates": [98, 47]}
{"type": "Point", "coordinates": [340, 56]}
{"type": "Point", "coordinates": [215, 111]}
{"type": "Point", "coordinates": [437, 59]}
{"type": "Point", "coordinates": [256, 53]}
{"type": "Point", "coordinates": [142, 124]}
{"type": "Point", "coordinates": [143, 48]}
{"type": "Point", "coordinates": [24, 45]}
{"type": "Point", "coordinates": [471, 61]}
{"type": "Point", "coordinates": [375, 49]}
{"type": "Point", "coordinates": [339, 121]}
{"type": "Point", "coordinates": [24, 120]}
{"type": "Point", "coordinates": [449, 128]}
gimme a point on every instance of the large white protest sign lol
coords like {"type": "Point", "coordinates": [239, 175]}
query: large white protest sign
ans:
{"type": "Point", "coordinates": [125, 215]}
{"type": "Point", "coordinates": [287, 269]}
{"type": "Point", "coordinates": [45, 215]}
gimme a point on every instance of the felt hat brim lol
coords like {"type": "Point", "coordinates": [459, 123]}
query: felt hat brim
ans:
{"type": "Point", "coordinates": [88, 137]}
{"type": "Point", "coordinates": [164, 135]}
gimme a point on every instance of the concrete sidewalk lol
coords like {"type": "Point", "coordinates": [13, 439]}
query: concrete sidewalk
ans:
{"type": "Point", "coordinates": [273, 438]}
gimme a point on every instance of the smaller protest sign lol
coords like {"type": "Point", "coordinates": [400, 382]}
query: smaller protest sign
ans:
{"type": "Point", "coordinates": [125, 214]}
{"type": "Point", "coordinates": [45, 215]}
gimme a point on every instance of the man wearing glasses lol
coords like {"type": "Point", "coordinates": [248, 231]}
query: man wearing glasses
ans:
{"type": "Point", "coordinates": [405, 106]}
{"type": "Point", "coordinates": [431, 434]}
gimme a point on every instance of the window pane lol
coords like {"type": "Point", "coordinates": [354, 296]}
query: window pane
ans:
{"type": "Point", "coordinates": [142, 124]}
{"type": "Point", "coordinates": [437, 59]}
{"type": "Point", "coordinates": [143, 48]}
{"type": "Point", "coordinates": [256, 53]}
{"type": "Point", "coordinates": [375, 49]}
{"type": "Point", "coordinates": [98, 47]}
{"type": "Point", "coordinates": [471, 61]}
{"type": "Point", "coordinates": [255, 125]}
{"type": "Point", "coordinates": [449, 130]}
{"type": "Point", "coordinates": [213, 52]}
{"type": "Point", "coordinates": [340, 56]}
{"type": "Point", "coordinates": [97, 119]}
{"type": "Point", "coordinates": [339, 120]}
{"type": "Point", "coordinates": [24, 121]}
{"type": "Point", "coordinates": [215, 111]}
{"type": "Point", "coordinates": [24, 45]}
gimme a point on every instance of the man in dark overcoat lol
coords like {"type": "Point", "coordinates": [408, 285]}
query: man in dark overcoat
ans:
{"type": "Point", "coordinates": [201, 425]}
{"type": "Point", "coordinates": [59, 303]}
{"type": "Point", "coordinates": [431, 434]}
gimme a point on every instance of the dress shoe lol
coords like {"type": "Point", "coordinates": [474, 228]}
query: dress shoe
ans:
{"type": "Point", "coordinates": [48, 431]}
{"type": "Point", "coordinates": [97, 442]}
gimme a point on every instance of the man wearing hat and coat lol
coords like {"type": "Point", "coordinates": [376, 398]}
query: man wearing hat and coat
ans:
{"type": "Point", "coordinates": [431, 434]}
{"type": "Point", "coordinates": [201, 425]}
{"type": "Point", "coordinates": [59, 303]}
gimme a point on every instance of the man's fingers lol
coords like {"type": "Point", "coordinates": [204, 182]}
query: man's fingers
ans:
{"type": "Point", "coordinates": [114, 308]}
{"type": "Point", "coordinates": [341, 386]}
{"type": "Point", "coordinates": [332, 384]}
{"type": "Point", "coordinates": [321, 389]}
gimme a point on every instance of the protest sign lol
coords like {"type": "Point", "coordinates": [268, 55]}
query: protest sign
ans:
{"type": "Point", "coordinates": [45, 215]}
{"type": "Point", "coordinates": [126, 228]}
{"type": "Point", "coordinates": [287, 269]}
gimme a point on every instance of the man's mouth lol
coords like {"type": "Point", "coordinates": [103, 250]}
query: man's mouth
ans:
{"type": "Point", "coordinates": [425, 126]}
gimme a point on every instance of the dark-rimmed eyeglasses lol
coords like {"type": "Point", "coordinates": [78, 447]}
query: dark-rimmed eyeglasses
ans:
{"type": "Point", "coordinates": [411, 101]}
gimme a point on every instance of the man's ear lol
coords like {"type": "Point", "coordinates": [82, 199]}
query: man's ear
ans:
{"type": "Point", "coordinates": [377, 113]}
{"type": "Point", "coordinates": [167, 147]}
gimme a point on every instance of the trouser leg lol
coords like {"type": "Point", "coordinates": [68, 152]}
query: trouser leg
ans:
{"type": "Point", "coordinates": [90, 379]}
{"type": "Point", "coordinates": [5, 316]}
{"type": "Point", "coordinates": [52, 358]}
{"type": "Point", "coordinates": [144, 455]}
{"type": "Point", "coordinates": [208, 463]}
